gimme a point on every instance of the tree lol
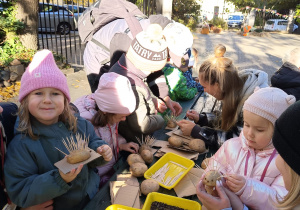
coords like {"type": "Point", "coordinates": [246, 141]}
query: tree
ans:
{"type": "Point", "coordinates": [27, 12]}
{"type": "Point", "coordinates": [186, 12]}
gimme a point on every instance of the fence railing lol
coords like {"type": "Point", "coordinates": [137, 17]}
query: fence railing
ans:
{"type": "Point", "coordinates": [58, 27]}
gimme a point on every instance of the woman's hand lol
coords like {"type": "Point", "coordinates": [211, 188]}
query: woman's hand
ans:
{"type": "Point", "coordinates": [211, 202]}
{"type": "Point", "coordinates": [173, 106]}
{"type": "Point", "coordinates": [130, 147]}
{"type": "Point", "coordinates": [193, 115]}
{"type": "Point", "coordinates": [71, 175]}
{"type": "Point", "coordinates": [235, 201]}
{"type": "Point", "coordinates": [105, 151]}
{"type": "Point", "coordinates": [235, 182]}
{"type": "Point", "coordinates": [48, 205]}
{"type": "Point", "coordinates": [186, 127]}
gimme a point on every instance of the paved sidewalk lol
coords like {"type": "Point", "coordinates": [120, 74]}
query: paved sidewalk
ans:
{"type": "Point", "coordinates": [263, 53]}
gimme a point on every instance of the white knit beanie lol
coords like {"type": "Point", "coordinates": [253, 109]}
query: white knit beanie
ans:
{"type": "Point", "coordinates": [269, 103]}
{"type": "Point", "coordinates": [148, 50]}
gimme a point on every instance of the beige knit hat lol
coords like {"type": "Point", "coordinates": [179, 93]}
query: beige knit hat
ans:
{"type": "Point", "coordinates": [269, 103]}
{"type": "Point", "coordinates": [148, 50]}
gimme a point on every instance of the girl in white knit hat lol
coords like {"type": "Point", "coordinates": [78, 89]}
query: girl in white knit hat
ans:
{"type": "Point", "coordinates": [248, 161]}
{"type": "Point", "coordinates": [111, 103]}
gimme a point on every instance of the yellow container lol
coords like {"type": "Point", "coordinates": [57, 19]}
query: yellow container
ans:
{"type": "Point", "coordinates": [119, 207]}
{"type": "Point", "coordinates": [170, 200]}
{"type": "Point", "coordinates": [175, 163]}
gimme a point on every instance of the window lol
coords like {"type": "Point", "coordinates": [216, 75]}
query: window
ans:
{"type": "Point", "coordinates": [284, 23]}
{"type": "Point", "coordinates": [270, 22]}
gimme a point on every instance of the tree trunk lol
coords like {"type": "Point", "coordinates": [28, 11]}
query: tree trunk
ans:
{"type": "Point", "coordinates": [27, 12]}
{"type": "Point", "coordinates": [290, 26]}
{"type": "Point", "coordinates": [159, 4]}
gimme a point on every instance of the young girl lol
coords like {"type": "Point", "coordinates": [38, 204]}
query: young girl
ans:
{"type": "Point", "coordinates": [221, 80]}
{"type": "Point", "coordinates": [286, 142]}
{"type": "Point", "coordinates": [45, 119]}
{"type": "Point", "coordinates": [111, 103]}
{"type": "Point", "coordinates": [248, 161]}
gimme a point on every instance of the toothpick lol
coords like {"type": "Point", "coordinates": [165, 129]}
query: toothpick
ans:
{"type": "Point", "coordinates": [61, 151]}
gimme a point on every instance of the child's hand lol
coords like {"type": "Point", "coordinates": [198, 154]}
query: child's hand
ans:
{"type": "Point", "coordinates": [71, 175]}
{"type": "Point", "coordinates": [130, 147]}
{"type": "Point", "coordinates": [235, 182]}
{"type": "Point", "coordinates": [105, 151]}
{"type": "Point", "coordinates": [193, 115]}
{"type": "Point", "coordinates": [186, 127]}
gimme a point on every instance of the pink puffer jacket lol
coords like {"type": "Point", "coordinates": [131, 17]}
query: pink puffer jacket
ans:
{"type": "Point", "coordinates": [231, 158]}
{"type": "Point", "coordinates": [86, 106]}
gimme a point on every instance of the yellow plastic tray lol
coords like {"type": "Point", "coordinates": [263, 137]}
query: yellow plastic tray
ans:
{"type": "Point", "coordinates": [170, 200]}
{"type": "Point", "coordinates": [174, 169]}
{"type": "Point", "coordinates": [119, 207]}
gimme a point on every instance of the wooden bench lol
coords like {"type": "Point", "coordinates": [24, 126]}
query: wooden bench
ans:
{"type": "Point", "coordinates": [102, 199]}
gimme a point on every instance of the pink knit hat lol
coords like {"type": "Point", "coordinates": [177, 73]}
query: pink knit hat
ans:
{"type": "Point", "coordinates": [43, 72]}
{"type": "Point", "coordinates": [269, 102]}
{"type": "Point", "coordinates": [114, 94]}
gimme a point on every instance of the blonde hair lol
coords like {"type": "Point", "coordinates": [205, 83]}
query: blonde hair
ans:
{"type": "Point", "coordinates": [292, 199]}
{"type": "Point", "coordinates": [219, 50]}
{"type": "Point", "coordinates": [195, 53]}
{"type": "Point", "coordinates": [222, 71]}
{"type": "Point", "coordinates": [25, 123]}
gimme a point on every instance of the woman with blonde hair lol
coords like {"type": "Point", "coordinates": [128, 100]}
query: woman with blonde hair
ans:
{"type": "Point", "coordinates": [221, 79]}
{"type": "Point", "coordinates": [286, 141]}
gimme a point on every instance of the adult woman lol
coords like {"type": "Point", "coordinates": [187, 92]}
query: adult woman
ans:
{"type": "Point", "coordinates": [221, 79]}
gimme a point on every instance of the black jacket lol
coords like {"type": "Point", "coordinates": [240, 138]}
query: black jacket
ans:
{"type": "Point", "coordinates": [287, 78]}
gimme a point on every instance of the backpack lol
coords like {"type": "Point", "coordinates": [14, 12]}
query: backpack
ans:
{"type": "Point", "coordinates": [103, 12]}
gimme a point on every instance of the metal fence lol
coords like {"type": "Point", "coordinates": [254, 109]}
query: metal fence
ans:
{"type": "Point", "coordinates": [58, 27]}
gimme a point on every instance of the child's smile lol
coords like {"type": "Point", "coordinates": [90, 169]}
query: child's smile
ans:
{"type": "Point", "coordinates": [46, 104]}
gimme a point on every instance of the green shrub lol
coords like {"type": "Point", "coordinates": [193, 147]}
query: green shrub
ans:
{"type": "Point", "coordinates": [10, 45]}
{"type": "Point", "coordinates": [219, 22]}
{"type": "Point", "coordinates": [259, 30]}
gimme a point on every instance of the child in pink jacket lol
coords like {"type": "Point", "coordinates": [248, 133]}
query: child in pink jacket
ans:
{"type": "Point", "coordinates": [248, 161]}
{"type": "Point", "coordinates": [110, 104]}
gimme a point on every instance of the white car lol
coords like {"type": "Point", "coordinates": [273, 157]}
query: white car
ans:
{"type": "Point", "coordinates": [277, 25]}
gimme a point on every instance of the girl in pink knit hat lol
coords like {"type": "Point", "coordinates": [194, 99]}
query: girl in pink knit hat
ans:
{"type": "Point", "coordinates": [248, 161]}
{"type": "Point", "coordinates": [111, 103]}
{"type": "Point", "coordinates": [45, 120]}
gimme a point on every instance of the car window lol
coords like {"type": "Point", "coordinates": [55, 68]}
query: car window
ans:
{"type": "Point", "coordinates": [270, 22]}
{"type": "Point", "coordinates": [234, 17]}
{"type": "Point", "coordinates": [282, 23]}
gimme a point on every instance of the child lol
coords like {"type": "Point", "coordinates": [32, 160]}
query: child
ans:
{"type": "Point", "coordinates": [248, 161]}
{"type": "Point", "coordinates": [111, 103]}
{"type": "Point", "coordinates": [45, 119]}
{"type": "Point", "coordinates": [286, 142]}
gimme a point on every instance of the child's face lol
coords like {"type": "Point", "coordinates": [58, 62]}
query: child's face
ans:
{"type": "Point", "coordinates": [257, 130]}
{"type": "Point", "coordinates": [284, 170]}
{"type": "Point", "coordinates": [116, 118]}
{"type": "Point", "coordinates": [46, 104]}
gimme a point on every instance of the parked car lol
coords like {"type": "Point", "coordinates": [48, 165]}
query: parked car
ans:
{"type": "Point", "coordinates": [56, 18]}
{"type": "Point", "coordinates": [76, 10]}
{"type": "Point", "coordinates": [235, 21]}
{"type": "Point", "coordinates": [277, 25]}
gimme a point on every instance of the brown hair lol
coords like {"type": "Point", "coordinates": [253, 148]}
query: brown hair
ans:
{"type": "Point", "coordinates": [100, 119]}
{"type": "Point", "coordinates": [219, 50]}
{"type": "Point", "coordinates": [222, 71]}
{"type": "Point", "coordinates": [25, 126]}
